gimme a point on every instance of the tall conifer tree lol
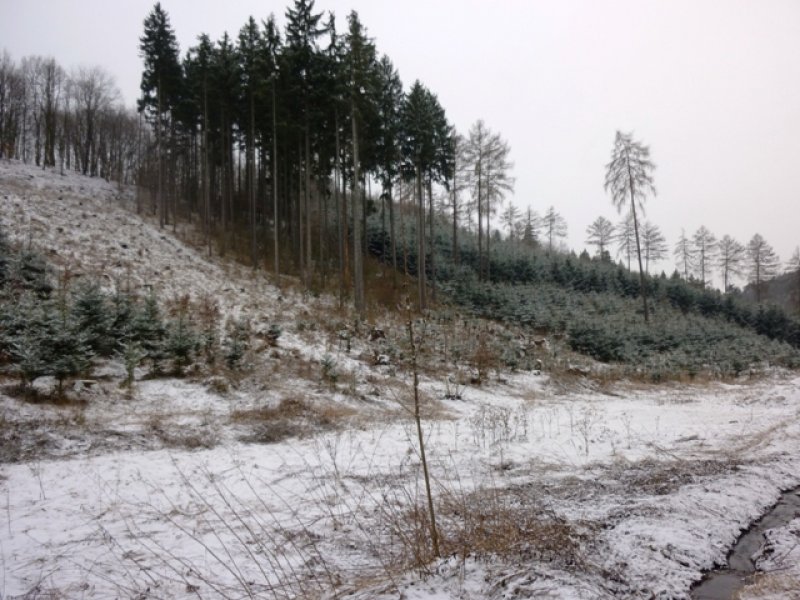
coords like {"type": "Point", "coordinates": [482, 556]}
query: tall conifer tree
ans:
{"type": "Point", "coordinates": [160, 86]}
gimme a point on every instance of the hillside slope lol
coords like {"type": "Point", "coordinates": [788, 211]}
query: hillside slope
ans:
{"type": "Point", "coordinates": [299, 475]}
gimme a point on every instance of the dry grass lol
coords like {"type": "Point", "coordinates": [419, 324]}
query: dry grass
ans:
{"type": "Point", "coordinates": [507, 523]}
{"type": "Point", "coordinates": [52, 397]}
{"type": "Point", "coordinates": [174, 436]}
{"type": "Point", "coordinates": [291, 417]}
{"type": "Point", "coordinates": [487, 522]}
{"type": "Point", "coordinates": [770, 585]}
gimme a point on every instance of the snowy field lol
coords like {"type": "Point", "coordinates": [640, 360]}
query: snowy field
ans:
{"type": "Point", "coordinates": [544, 487]}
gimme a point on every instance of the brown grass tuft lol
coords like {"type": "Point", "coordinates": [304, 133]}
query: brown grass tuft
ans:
{"type": "Point", "coordinates": [292, 417]}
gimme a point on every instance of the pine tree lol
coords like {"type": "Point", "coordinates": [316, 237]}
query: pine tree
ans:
{"type": "Point", "coordinates": [249, 68]}
{"type": "Point", "coordinates": [161, 84]}
{"type": "Point", "coordinates": [25, 333]}
{"type": "Point", "coordinates": [47, 341]}
{"type": "Point", "coordinates": [390, 102]}
{"type": "Point", "coordinates": [181, 342]}
{"type": "Point", "coordinates": [92, 317]}
{"type": "Point", "coordinates": [236, 343]}
{"type": "Point", "coordinates": [269, 57]}
{"type": "Point", "coordinates": [362, 83]}
{"type": "Point", "coordinates": [225, 83]}
{"type": "Point", "coordinates": [419, 154]}
{"type": "Point", "coordinates": [68, 347]}
{"type": "Point", "coordinates": [29, 271]}
{"type": "Point", "coordinates": [302, 60]}
{"type": "Point", "coordinates": [148, 331]}
{"type": "Point", "coordinates": [197, 68]}
{"type": "Point", "coordinates": [533, 225]}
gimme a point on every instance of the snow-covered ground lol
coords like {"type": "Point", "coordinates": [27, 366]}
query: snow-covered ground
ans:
{"type": "Point", "coordinates": [544, 488]}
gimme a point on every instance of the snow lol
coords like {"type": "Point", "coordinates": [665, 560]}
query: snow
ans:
{"type": "Point", "coordinates": [117, 499]}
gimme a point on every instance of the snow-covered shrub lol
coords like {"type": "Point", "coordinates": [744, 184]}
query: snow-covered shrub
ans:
{"type": "Point", "coordinates": [330, 374]}
{"type": "Point", "coordinates": [93, 316]}
{"type": "Point", "coordinates": [236, 342]}
{"type": "Point", "coordinates": [149, 331]}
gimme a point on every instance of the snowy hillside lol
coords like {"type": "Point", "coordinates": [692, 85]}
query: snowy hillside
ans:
{"type": "Point", "coordinates": [285, 481]}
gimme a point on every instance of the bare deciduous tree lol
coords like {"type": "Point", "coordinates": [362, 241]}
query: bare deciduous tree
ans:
{"type": "Point", "coordinates": [705, 251]}
{"type": "Point", "coordinates": [625, 238]}
{"type": "Point", "coordinates": [654, 244]}
{"type": "Point", "coordinates": [510, 218]}
{"type": "Point", "coordinates": [554, 227]}
{"type": "Point", "coordinates": [762, 262]}
{"type": "Point", "coordinates": [600, 234]}
{"type": "Point", "coordinates": [487, 155]}
{"type": "Point", "coordinates": [629, 175]}
{"type": "Point", "coordinates": [684, 254]}
{"type": "Point", "coordinates": [93, 92]}
{"type": "Point", "coordinates": [729, 260]}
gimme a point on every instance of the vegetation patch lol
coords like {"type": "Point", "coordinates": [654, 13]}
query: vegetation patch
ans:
{"type": "Point", "coordinates": [291, 417]}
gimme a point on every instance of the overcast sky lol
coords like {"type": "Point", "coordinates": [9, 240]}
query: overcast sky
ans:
{"type": "Point", "coordinates": [713, 87]}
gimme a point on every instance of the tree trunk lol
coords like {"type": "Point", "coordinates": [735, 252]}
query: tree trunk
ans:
{"type": "Point", "coordinates": [488, 195]}
{"type": "Point", "coordinates": [455, 204]}
{"type": "Point", "coordinates": [421, 440]}
{"type": "Point", "coordinates": [252, 164]}
{"type": "Point", "coordinates": [358, 267]}
{"type": "Point", "coordinates": [341, 212]}
{"type": "Point", "coordinates": [206, 178]}
{"type": "Point", "coordinates": [638, 250]}
{"type": "Point", "coordinates": [423, 302]}
{"type": "Point", "coordinates": [275, 184]}
{"type": "Point", "coordinates": [390, 200]}
{"type": "Point", "coordinates": [480, 223]}
{"type": "Point", "coordinates": [432, 240]}
{"type": "Point", "coordinates": [307, 209]}
{"type": "Point", "coordinates": [160, 159]}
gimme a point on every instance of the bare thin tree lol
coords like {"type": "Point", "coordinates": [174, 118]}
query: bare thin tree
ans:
{"type": "Point", "coordinates": [705, 252]}
{"type": "Point", "coordinates": [629, 175]}
{"type": "Point", "coordinates": [487, 156]}
{"type": "Point", "coordinates": [93, 92]}
{"type": "Point", "coordinates": [684, 255]}
{"type": "Point", "coordinates": [554, 226]}
{"type": "Point", "coordinates": [654, 244]}
{"type": "Point", "coordinates": [729, 260]}
{"type": "Point", "coordinates": [510, 218]}
{"type": "Point", "coordinates": [600, 234]}
{"type": "Point", "coordinates": [762, 262]}
{"type": "Point", "coordinates": [625, 238]}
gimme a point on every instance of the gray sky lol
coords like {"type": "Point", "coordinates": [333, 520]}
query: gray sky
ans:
{"type": "Point", "coordinates": [713, 87]}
